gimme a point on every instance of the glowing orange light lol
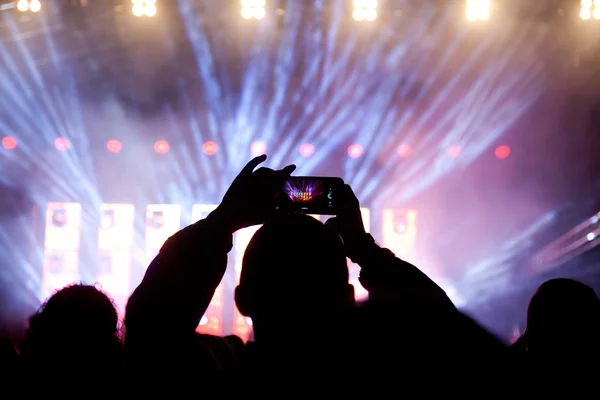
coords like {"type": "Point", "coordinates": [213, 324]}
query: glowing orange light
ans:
{"type": "Point", "coordinates": [355, 150]}
{"type": "Point", "coordinates": [404, 150]}
{"type": "Point", "coordinates": [114, 146]}
{"type": "Point", "coordinates": [307, 150]}
{"type": "Point", "coordinates": [502, 152]}
{"type": "Point", "coordinates": [161, 146]}
{"type": "Point", "coordinates": [454, 151]}
{"type": "Point", "coordinates": [210, 148]}
{"type": "Point", "coordinates": [62, 144]}
{"type": "Point", "coordinates": [9, 143]}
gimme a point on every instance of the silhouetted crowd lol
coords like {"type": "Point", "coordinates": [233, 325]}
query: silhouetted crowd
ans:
{"type": "Point", "coordinates": [406, 339]}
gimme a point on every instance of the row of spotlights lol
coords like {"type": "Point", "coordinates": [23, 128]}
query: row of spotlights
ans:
{"type": "Point", "coordinates": [26, 5]}
{"type": "Point", "coordinates": [143, 8]}
{"type": "Point", "coordinates": [256, 148]}
{"type": "Point", "coordinates": [590, 9]}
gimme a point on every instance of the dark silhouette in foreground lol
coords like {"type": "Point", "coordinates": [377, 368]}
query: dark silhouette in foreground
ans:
{"type": "Point", "coordinates": [74, 331]}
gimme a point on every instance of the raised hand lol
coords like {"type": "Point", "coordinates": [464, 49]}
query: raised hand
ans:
{"type": "Point", "coordinates": [250, 199]}
{"type": "Point", "coordinates": [348, 222]}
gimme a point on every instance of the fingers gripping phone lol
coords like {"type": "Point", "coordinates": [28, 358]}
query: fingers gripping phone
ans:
{"type": "Point", "coordinates": [309, 195]}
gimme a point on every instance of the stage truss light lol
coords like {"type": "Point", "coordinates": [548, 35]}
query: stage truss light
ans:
{"type": "Point", "coordinates": [143, 8]}
{"type": "Point", "coordinates": [590, 9]}
{"type": "Point", "coordinates": [364, 10]}
{"type": "Point", "coordinates": [478, 10]}
{"type": "Point", "coordinates": [29, 5]}
{"type": "Point", "coordinates": [253, 9]}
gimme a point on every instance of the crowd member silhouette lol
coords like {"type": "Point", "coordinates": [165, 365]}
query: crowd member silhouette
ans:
{"type": "Point", "coordinates": [294, 269]}
{"type": "Point", "coordinates": [563, 332]}
{"type": "Point", "coordinates": [306, 323]}
{"type": "Point", "coordinates": [75, 331]}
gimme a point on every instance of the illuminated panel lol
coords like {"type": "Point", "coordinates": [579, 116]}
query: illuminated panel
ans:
{"type": "Point", "coordinates": [360, 293]}
{"type": "Point", "coordinates": [61, 246]}
{"type": "Point", "coordinates": [212, 320]}
{"type": "Point", "coordinates": [242, 326]}
{"type": "Point", "coordinates": [400, 232]}
{"type": "Point", "coordinates": [115, 245]}
{"type": "Point", "coordinates": [162, 221]}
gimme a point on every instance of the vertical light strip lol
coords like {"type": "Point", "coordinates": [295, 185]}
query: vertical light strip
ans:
{"type": "Point", "coordinates": [162, 221]}
{"type": "Point", "coordinates": [62, 240]}
{"type": "Point", "coordinates": [115, 246]}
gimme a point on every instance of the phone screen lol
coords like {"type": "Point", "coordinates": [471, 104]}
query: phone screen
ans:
{"type": "Point", "coordinates": [310, 195]}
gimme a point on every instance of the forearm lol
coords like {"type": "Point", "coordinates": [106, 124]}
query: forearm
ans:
{"type": "Point", "coordinates": [388, 278]}
{"type": "Point", "coordinates": [180, 282]}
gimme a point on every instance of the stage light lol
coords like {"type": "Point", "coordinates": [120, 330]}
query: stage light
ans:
{"type": "Point", "coordinates": [258, 148]}
{"type": "Point", "coordinates": [478, 10]}
{"type": "Point", "coordinates": [114, 146]}
{"type": "Point", "coordinates": [161, 146]}
{"type": "Point", "coordinates": [210, 148]}
{"type": "Point", "coordinates": [404, 151]}
{"type": "Point", "coordinates": [27, 5]}
{"type": "Point", "coordinates": [253, 9]}
{"type": "Point", "coordinates": [142, 8]}
{"type": "Point", "coordinates": [454, 151]}
{"type": "Point", "coordinates": [9, 143]}
{"type": "Point", "coordinates": [307, 150]}
{"type": "Point", "coordinates": [355, 150]}
{"type": "Point", "coordinates": [364, 10]}
{"type": "Point", "coordinates": [591, 236]}
{"type": "Point", "coordinates": [590, 9]}
{"type": "Point", "coordinates": [502, 152]}
{"type": "Point", "coordinates": [35, 6]}
{"type": "Point", "coordinates": [61, 144]}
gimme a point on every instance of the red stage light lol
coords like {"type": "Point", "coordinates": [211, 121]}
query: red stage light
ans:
{"type": "Point", "coordinates": [114, 146]}
{"type": "Point", "coordinates": [404, 150]}
{"type": "Point", "coordinates": [454, 151]}
{"type": "Point", "coordinates": [307, 150]}
{"type": "Point", "coordinates": [62, 144]}
{"type": "Point", "coordinates": [210, 148]}
{"type": "Point", "coordinates": [9, 143]}
{"type": "Point", "coordinates": [502, 152]}
{"type": "Point", "coordinates": [161, 146]}
{"type": "Point", "coordinates": [258, 149]}
{"type": "Point", "coordinates": [355, 150]}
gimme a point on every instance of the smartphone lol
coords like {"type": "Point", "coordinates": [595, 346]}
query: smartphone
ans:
{"type": "Point", "coordinates": [309, 195]}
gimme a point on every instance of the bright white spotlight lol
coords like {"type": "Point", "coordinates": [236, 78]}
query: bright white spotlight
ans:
{"type": "Point", "coordinates": [364, 10]}
{"type": "Point", "coordinates": [590, 9]}
{"type": "Point", "coordinates": [253, 9]}
{"type": "Point", "coordinates": [23, 5]}
{"type": "Point", "coordinates": [477, 10]}
{"type": "Point", "coordinates": [35, 6]}
{"type": "Point", "coordinates": [247, 12]}
{"type": "Point", "coordinates": [144, 8]}
{"type": "Point", "coordinates": [371, 14]}
{"type": "Point", "coordinates": [137, 10]}
{"type": "Point", "coordinates": [259, 13]}
{"type": "Point", "coordinates": [150, 10]}
{"type": "Point", "coordinates": [358, 15]}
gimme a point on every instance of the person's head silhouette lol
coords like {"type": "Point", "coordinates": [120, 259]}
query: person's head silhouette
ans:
{"type": "Point", "coordinates": [563, 320]}
{"type": "Point", "coordinates": [76, 327]}
{"type": "Point", "coordinates": [294, 273]}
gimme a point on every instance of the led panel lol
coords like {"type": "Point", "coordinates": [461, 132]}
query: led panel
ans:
{"type": "Point", "coordinates": [62, 239]}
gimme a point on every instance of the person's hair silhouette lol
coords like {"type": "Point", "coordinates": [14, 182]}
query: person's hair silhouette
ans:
{"type": "Point", "coordinates": [75, 328]}
{"type": "Point", "coordinates": [294, 274]}
{"type": "Point", "coordinates": [563, 320]}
